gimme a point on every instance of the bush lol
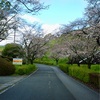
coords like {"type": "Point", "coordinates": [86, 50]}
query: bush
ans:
{"type": "Point", "coordinates": [13, 50]}
{"type": "Point", "coordinates": [25, 69]}
{"type": "Point", "coordinates": [80, 73]}
{"type": "Point", "coordinates": [64, 67]}
{"type": "Point", "coordinates": [6, 67]}
{"type": "Point", "coordinates": [63, 61]}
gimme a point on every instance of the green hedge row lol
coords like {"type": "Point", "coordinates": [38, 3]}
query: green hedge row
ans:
{"type": "Point", "coordinates": [50, 61]}
{"type": "Point", "coordinates": [80, 73]}
{"type": "Point", "coordinates": [44, 62]}
{"type": "Point", "coordinates": [83, 73]}
{"type": "Point", "coordinates": [25, 69]}
{"type": "Point", "coordinates": [64, 68]}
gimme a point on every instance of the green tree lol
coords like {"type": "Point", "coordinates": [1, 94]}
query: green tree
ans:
{"type": "Point", "coordinates": [13, 50]}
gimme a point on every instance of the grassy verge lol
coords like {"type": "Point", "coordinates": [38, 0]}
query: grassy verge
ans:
{"type": "Point", "coordinates": [25, 69]}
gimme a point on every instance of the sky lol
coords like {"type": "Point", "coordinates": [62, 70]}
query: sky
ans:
{"type": "Point", "coordinates": [59, 12]}
{"type": "Point", "coordinates": [62, 11]}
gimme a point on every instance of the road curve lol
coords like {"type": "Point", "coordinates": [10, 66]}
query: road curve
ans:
{"type": "Point", "coordinates": [49, 83]}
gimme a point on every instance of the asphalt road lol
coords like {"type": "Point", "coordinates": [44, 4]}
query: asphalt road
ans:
{"type": "Point", "coordinates": [49, 83]}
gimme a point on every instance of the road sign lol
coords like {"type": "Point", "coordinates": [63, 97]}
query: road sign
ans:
{"type": "Point", "coordinates": [17, 61]}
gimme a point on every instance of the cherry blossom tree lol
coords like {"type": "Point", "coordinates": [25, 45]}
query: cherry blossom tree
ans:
{"type": "Point", "coordinates": [33, 42]}
{"type": "Point", "coordinates": [10, 9]}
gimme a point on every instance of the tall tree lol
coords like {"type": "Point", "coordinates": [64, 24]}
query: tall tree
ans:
{"type": "Point", "coordinates": [13, 50]}
{"type": "Point", "coordinates": [4, 21]}
{"type": "Point", "coordinates": [33, 43]}
{"type": "Point", "coordinates": [9, 9]}
{"type": "Point", "coordinates": [93, 18]}
{"type": "Point", "coordinates": [89, 29]}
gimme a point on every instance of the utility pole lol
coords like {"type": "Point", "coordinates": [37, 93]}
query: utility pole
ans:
{"type": "Point", "coordinates": [14, 36]}
{"type": "Point", "coordinates": [14, 33]}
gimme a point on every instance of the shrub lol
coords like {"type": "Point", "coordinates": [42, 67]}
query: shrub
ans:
{"type": "Point", "coordinates": [13, 50]}
{"type": "Point", "coordinates": [80, 73]}
{"type": "Point", "coordinates": [25, 69]}
{"type": "Point", "coordinates": [64, 67]}
{"type": "Point", "coordinates": [6, 67]}
{"type": "Point", "coordinates": [63, 61]}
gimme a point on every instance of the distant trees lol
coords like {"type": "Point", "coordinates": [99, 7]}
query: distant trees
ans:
{"type": "Point", "coordinates": [56, 52]}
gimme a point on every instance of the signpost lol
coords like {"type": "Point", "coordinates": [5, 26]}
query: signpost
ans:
{"type": "Point", "coordinates": [17, 61]}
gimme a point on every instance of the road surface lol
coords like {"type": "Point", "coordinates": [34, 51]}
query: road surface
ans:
{"type": "Point", "coordinates": [49, 83]}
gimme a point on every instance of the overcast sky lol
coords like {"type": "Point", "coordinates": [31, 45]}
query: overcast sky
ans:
{"type": "Point", "coordinates": [59, 12]}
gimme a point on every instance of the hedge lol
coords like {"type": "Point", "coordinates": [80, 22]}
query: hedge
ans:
{"type": "Point", "coordinates": [80, 73]}
{"type": "Point", "coordinates": [25, 69]}
{"type": "Point", "coordinates": [64, 68]}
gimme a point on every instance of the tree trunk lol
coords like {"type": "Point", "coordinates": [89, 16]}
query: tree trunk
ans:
{"type": "Point", "coordinates": [57, 61]}
{"type": "Point", "coordinates": [89, 65]}
{"type": "Point", "coordinates": [78, 64]}
{"type": "Point", "coordinates": [31, 61]}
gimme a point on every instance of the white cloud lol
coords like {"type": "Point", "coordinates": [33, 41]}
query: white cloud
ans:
{"type": "Point", "coordinates": [50, 28]}
{"type": "Point", "coordinates": [29, 18]}
{"type": "Point", "coordinates": [46, 27]}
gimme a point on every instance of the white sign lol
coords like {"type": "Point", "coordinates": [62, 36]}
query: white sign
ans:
{"type": "Point", "coordinates": [17, 61]}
